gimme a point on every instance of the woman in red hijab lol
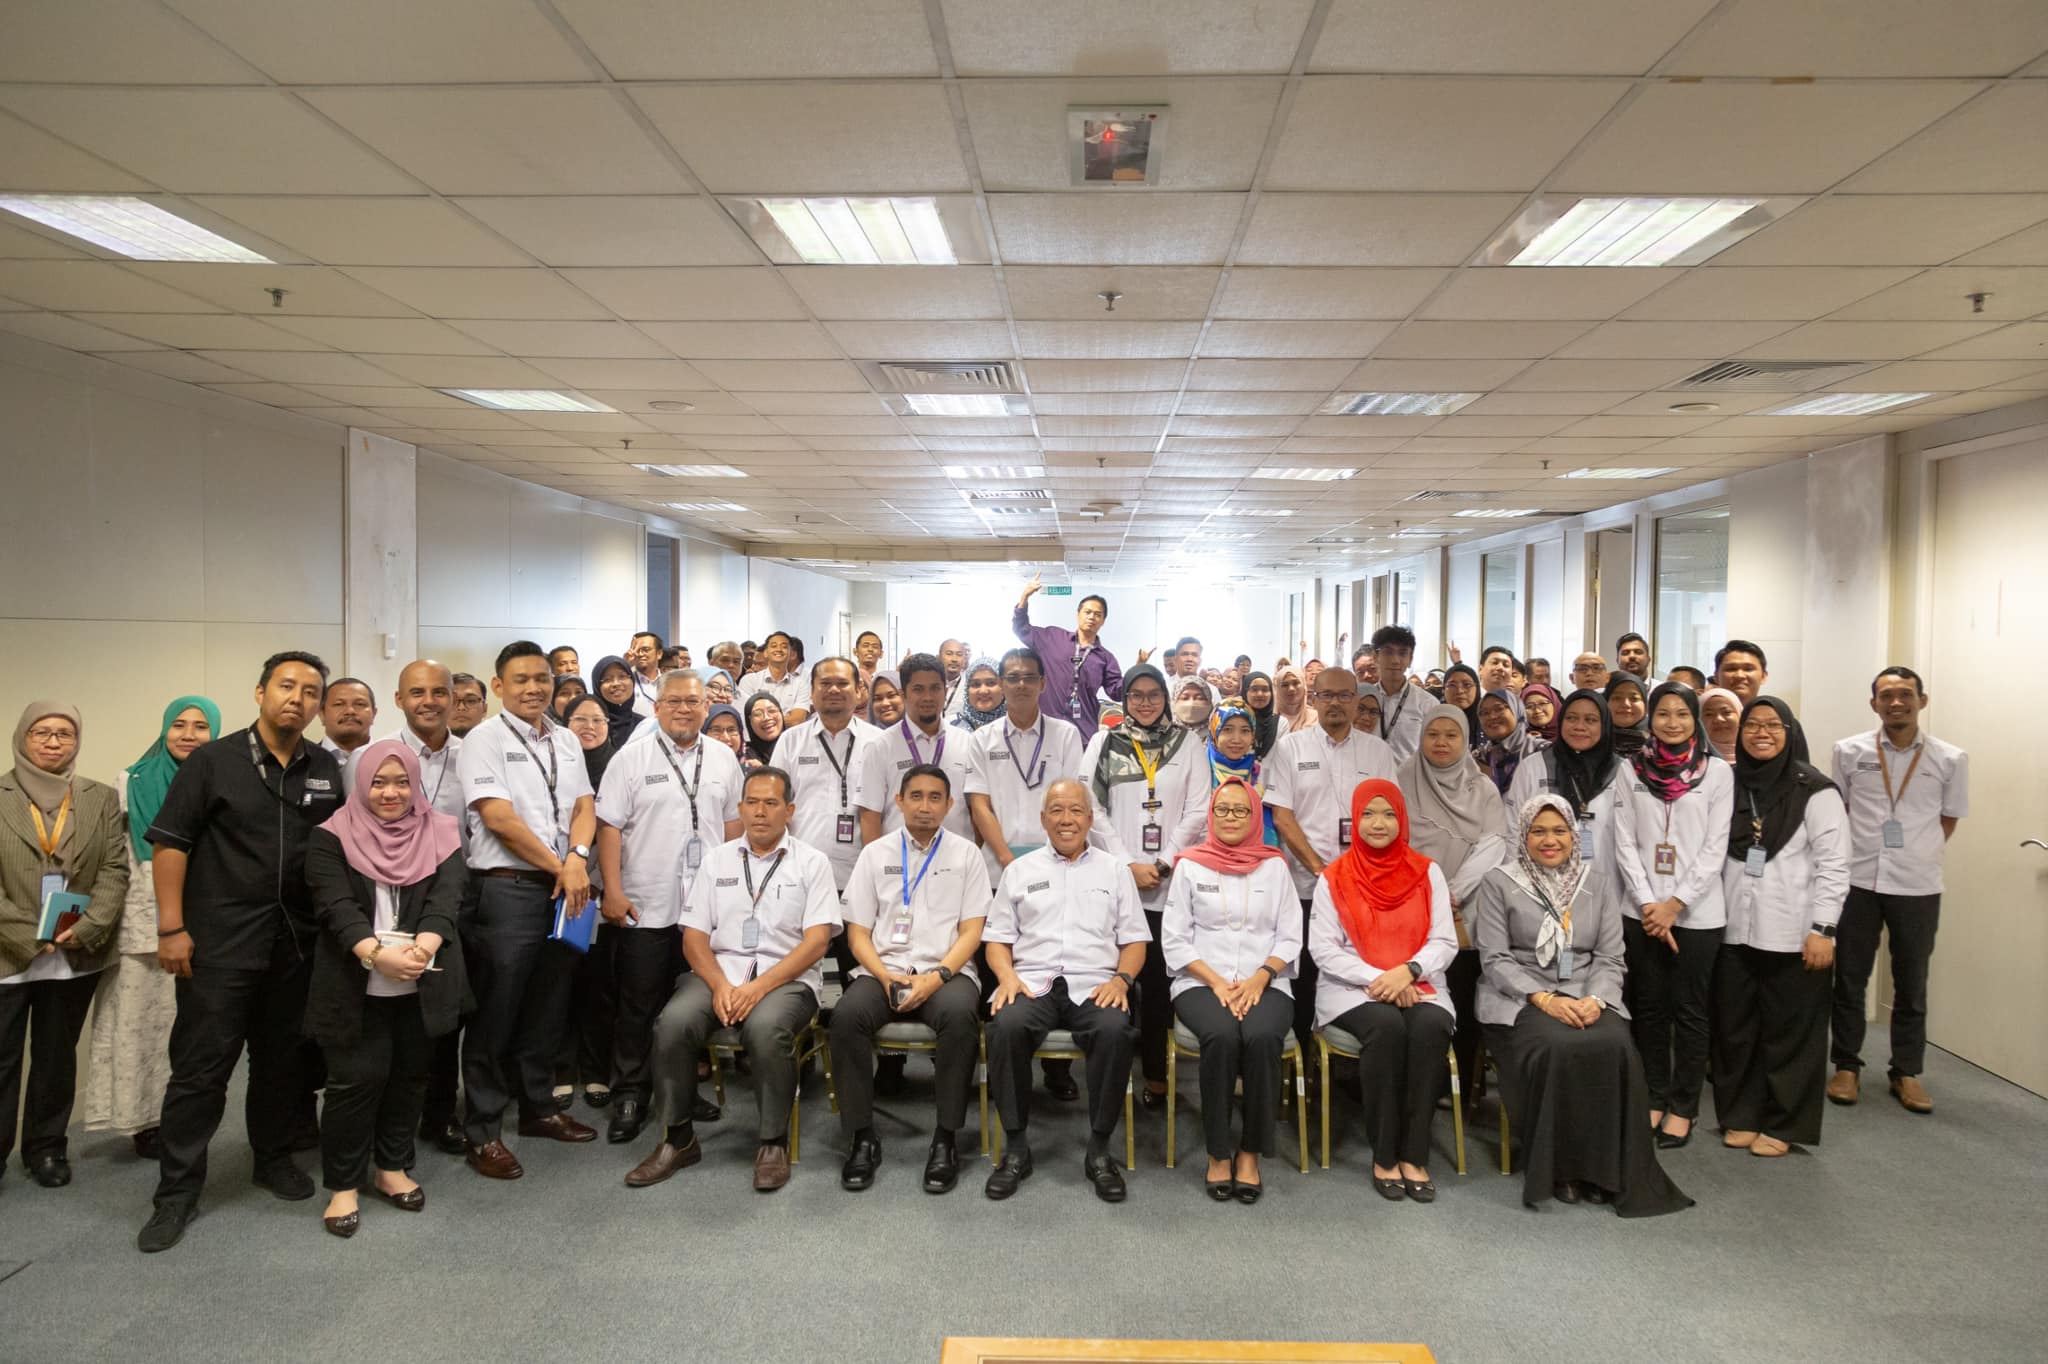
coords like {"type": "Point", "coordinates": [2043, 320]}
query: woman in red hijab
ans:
{"type": "Point", "coordinates": [1230, 934]}
{"type": "Point", "coordinates": [1380, 931]}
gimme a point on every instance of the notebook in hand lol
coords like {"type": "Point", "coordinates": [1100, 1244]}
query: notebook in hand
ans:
{"type": "Point", "coordinates": [61, 909]}
{"type": "Point", "coordinates": [575, 932]}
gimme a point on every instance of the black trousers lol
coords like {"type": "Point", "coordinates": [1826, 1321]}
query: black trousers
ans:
{"type": "Point", "coordinates": [521, 981]}
{"type": "Point", "coordinates": [1667, 994]}
{"type": "Point", "coordinates": [220, 1010]}
{"type": "Point", "coordinates": [42, 1019]}
{"type": "Point", "coordinates": [1461, 978]}
{"type": "Point", "coordinates": [1911, 921]}
{"type": "Point", "coordinates": [444, 1076]}
{"type": "Point", "coordinates": [1770, 1043]}
{"type": "Point", "coordinates": [1305, 976]}
{"type": "Point", "coordinates": [583, 1054]}
{"type": "Point", "coordinates": [1107, 1039]}
{"type": "Point", "coordinates": [1400, 1073]}
{"type": "Point", "coordinates": [1155, 1006]}
{"type": "Point", "coordinates": [645, 964]}
{"type": "Point", "coordinates": [951, 1012]}
{"type": "Point", "coordinates": [1236, 1049]}
{"type": "Point", "coordinates": [375, 1087]}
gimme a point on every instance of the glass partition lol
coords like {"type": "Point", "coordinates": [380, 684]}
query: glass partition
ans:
{"type": "Point", "coordinates": [1692, 589]}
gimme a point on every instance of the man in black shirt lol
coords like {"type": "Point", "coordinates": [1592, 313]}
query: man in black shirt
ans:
{"type": "Point", "coordinates": [235, 925]}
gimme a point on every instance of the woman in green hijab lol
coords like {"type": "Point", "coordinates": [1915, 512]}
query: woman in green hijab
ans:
{"type": "Point", "coordinates": [137, 1002]}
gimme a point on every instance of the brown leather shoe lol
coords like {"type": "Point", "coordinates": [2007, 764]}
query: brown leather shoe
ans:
{"type": "Point", "coordinates": [494, 1160]}
{"type": "Point", "coordinates": [1911, 1094]}
{"type": "Point", "coordinates": [1845, 1087]}
{"type": "Point", "coordinates": [662, 1162]}
{"type": "Point", "coordinates": [557, 1127]}
{"type": "Point", "coordinates": [771, 1168]}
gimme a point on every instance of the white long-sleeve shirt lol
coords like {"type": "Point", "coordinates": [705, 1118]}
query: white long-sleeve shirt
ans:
{"type": "Point", "coordinates": [1231, 923]}
{"type": "Point", "coordinates": [1695, 825]}
{"type": "Point", "coordinates": [1344, 974]}
{"type": "Point", "coordinates": [1120, 830]}
{"type": "Point", "coordinates": [1803, 885]}
{"type": "Point", "coordinates": [1597, 821]}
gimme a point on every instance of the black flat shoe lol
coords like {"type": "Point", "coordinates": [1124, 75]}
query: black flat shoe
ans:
{"type": "Point", "coordinates": [703, 1110]}
{"type": "Point", "coordinates": [941, 1168]}
{"type": "Point", "coordinates": [1152, 1100]}
{"type": "Point", "coordinates": [1421, 1190]}
{"type": "Point", "coordinates": [412, 1200]}
{"type": "Point", "coordinates": [859, 1171]}
{"type": "Point", "coordinates": [1593, 1193]}
{"type": "Point", "coordinates": [1221, 1190]}
{"type": "Point", "coordinates": [447, 1137]}
{"type": "Point", "coordinates": [148, 1144]}
{"type": "Point", "coordinates": [285, 1180]}
{"type": "Point", "coordinates": [597, 1096]}
{"type": "Point", "coordinates": [344, 1226]}
{"type": "Point", "coordinates": [1567, 1192]}
{"type": "Point", "coordinates": [1004, 1179]}
{"type": "Point", "coordinates": [1667, 1142]}
{"type": "Point", "coordinates": [1107, 1177]}
{"type": "Point", "coordinates": [1059, 1082]}
{"type": "Point", "coordinates": [165, 1228]}
{"type": "Point", "coordinates": [1248, 1194]}
{"type": "Point", "coordinates": [52, 1172]}
{"type": "Point", "coordinates": [1389, 1189]}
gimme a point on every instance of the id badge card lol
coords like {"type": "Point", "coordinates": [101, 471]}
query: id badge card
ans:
{"type": "Point", "coordinates": [1154, 838]}
{"type": "Point", "coordinates": [1564, 963]}
{"type": "Point", "coordinates": [53, 883]}
{"type": "Point", "coordinates": [1344, 831]}
{"type": "Point", "coordinates": [1667, 859]}
{"type": "Point", "coordinates": [1753, 862]}
{"type": "Point", "coordinates": [750, 934]}
{"type": "Point", "coordinates": [1894, 834]}
{"type": "Point", "coordinates": [693, 853]}
{"type": "Point", "coordinates": [899, 931]}
{"type": "Point", "coordinates": [843, 832]}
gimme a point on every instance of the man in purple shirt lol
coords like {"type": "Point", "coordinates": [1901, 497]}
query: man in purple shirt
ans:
{"type": "Point", "coordinates": [1076, 661]}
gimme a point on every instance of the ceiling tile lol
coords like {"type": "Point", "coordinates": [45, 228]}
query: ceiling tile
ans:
{"type": "Point", "coordinates": [822, 138]}
{"type": "Point", "coordinates": [761, 40]}
{"type": "Point", "coordinates": [1742, 138]}
{"type": "Point", "coordinates": [744, 340]}
{"type": "Point", "coordinates": [2022, 248]}
{"type": "Point", "coordinates": [56, 330]}
{"type": "Point", "coordinates": [508, 141]}
{"type": "Point", "coordinates": [923, 340]}
{"type": "Point", "coordinates": [1864, 38]}
{"type": "Point", "coordinates": [1865, 340]}
{"type": "Point", "coordinates": [1544, 295]}
{"type": "Point", "coordinates": [2022, 341]}
{"type": "Point", "coordinates": [1214, 132]}
{"type": "Point", "coordinates": [20, 243]}
{"type": "Point", "coordinates": [784, 375]}
{"type": "Point", "coordinates": [1106, 376]}
{"type": "Point", "coordinates": [455, 292]}
{"type": "Point", "coordinates": [880, 292]}
{"type": "Point", "coordinates": [370, 41]}
{"type": "Point", "coordinates": [1303, 294]}
{"type": "Point", "coordinates": [1431, 376]}
{"type": "Point", "coordinates": [1937, 376]}
{"type": "Point", "coordinates": [575, 340]}
{"type": "Point", "coordinates": [1275, 375]}
{"type": "Point", "coordinates": [298, 367]}
{"type": "Point", "coordinates": [342, 231]}
{"type": "Point", "coordinates": [451, 371]}
{"type": "Point", "coordinates": [1662, 340]}
{"type": "Point", "coordinates": [177, 364]}
{"type": "Point", "coordinates": [699, 294]}
{"type": "Point", "coordinates": [1887, 229]}
{"type": "Point", "coordinates": [1078, 38]}
{"type": "Point", "coordinates": [310, 290]}
{"type": "Point", "coordinates": [1763, 293]}
{"type": "Point", "coordinates": [1418, 133]}
{"type": "Point", "coordinates": [2010, 294]}
{"type": "Point", "coordinates": [1111, 404]}
{"type": "Point", "coordinates": [1107, 340]}
{"type": "Point", "coordinates": [392, 395]}
{"type": "Point", "coordinates": [1131, 229]}
{"type": "Point", "coordinates": [398, 335]}
{"type": "Point", "coordinates": [91, 286]}
{"type": "Point", "coordinates": [590, 375]}
{"type": "Point", "coordinates": [210, 141]}
{"type": "Point", "coordinates": [1992, 146]}
{"type": "Point", "coordinates": [1421, 340]}
{"type": "Point", "coordinates": [618, 230]}
{"type": "Point", "coordinates": [1588, 37]}
{"type": "Point", "coordinates": [204, 331]}
{"type": "Point", "coordinates": [812, 404]}
{"type": "Point", "coordinates": [109, 42]}
{"type": "Point", "coordinates": [1160, 292]}
{"type": "Point", "coordinates": [1527, 427]}
{"type": "Point", "coordinates": [1588, 376]}
{"type": "Point", "coordinates": [1231, 403]}
{"type": "Point", "coordinates": [1276, 340]}
{"type": "Point", "coordinates": [1563, 402]}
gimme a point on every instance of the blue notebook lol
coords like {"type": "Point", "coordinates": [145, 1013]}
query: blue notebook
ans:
{"type": "Point", "coordinates": [574, 932]}
{"type": "Point", "coordinates": [61, 910]}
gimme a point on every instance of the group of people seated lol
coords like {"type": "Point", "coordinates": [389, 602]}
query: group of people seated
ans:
{"type": "Point", "coordinates": [606, 890]}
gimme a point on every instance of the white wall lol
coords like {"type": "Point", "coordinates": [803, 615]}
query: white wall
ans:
{"type": "Point", "coordinates": [714, 596]}
{"type": "Point", "coordinates": [1847, 589]}
{"type": "Point", "coordinates": [1546, 605]}
{"type": "Point", "coordinates": [797, 602]}
{"type": "Point", "coordinates": [1463, 586]}
{"type": "Point", "coordinates": [1768, 543]}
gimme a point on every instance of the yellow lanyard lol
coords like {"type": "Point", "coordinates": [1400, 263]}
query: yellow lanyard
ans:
{"type": "Point", "coordinates": [48, 837]}
{"type": "Point", "coordinates": [1151, 771]}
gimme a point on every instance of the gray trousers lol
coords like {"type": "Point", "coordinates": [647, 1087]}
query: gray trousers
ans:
{"type": "Point", "coordinates": [769, 1032]}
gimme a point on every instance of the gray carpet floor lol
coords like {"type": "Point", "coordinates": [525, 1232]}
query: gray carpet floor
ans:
{"type": "Point", "coordinates": [1901, 1238]}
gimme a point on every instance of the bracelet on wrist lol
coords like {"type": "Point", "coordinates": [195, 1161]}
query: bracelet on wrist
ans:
{"type": "Point", "coordinates": [170, 932]}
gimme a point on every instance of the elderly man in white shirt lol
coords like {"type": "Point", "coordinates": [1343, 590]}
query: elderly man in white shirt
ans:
{"type": "Point", "coordinates": [1066, 937]}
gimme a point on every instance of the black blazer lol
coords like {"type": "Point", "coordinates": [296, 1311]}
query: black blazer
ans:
{"type": "Point", "coordinates": [344, 902]}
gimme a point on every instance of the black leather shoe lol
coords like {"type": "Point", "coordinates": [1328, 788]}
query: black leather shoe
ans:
{"type": "Point", "coordinates": [164, 1229]}
{"type": "Point", "coordinates": [1389, 1189]}
{"type": "Point", "coordinates": [1421, 1190]}
{"type": "Point", "coordinates": [1107, 1177]}
{"type": "Point", "coordinates": [1152, 1100]}
{"type": "Point", "coordinates": [446, 1137]}
{"type": "Point", "coordinates": [859, 1170]}
{"type": "Point", "coordinates": [628, 1117]}
{"type": "Point", "coordinates": [703, 1110]}
{"type": "Point", "coordinates": [1593, 1193]}
{"type": "Point", "coordinates": [1667, 1142]}
{"type": "Point", "coordinates": [941, 1168]}
{"type": "Point", "coordinates": [1059, 1081]}
{"type": "Point", "coordinates": [148, 1144]}
{"type": "Point", "coordinates": [52, 1172]}
{"type": "Point", "coordinates": [1221, 1190]}
{"type": "Point", "coordinates": [1567, 1192]}
{"type": "Point", "coordinates": [1004, 1179]}
{"type": "Point", "coordinates": [597, 1096]}
{"type": "Point", "coordinates": [286, 1180]}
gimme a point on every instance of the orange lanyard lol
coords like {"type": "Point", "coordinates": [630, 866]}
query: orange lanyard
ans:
{"type": "Point", "coordinates": [47, 836]}
{"type": "Point", "coordinates": [1885, 770]}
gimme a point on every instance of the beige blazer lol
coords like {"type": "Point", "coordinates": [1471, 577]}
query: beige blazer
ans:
{"type": "Point", "coordinates": [99, 869]}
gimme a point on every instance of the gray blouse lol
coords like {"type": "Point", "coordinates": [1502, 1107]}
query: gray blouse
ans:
{"type": "Point", "coordinates": [1505, 919]}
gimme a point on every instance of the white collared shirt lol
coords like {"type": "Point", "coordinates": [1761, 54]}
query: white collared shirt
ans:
{"type": "Point", "coordinates": [1803, 885]}
{"type": "Point", "coordinates": [1342, 975]}
{"type": "Point", "coordinates": [891, 755]}
{"type": "Point", "coordinates": [1233, 923]}
{"type": "Point", "coordinates": [1401, 716]}
{"type": "Point", "coordinates": [1183, 793]}
{"type": "Point", "coordinates": [1063, 918]}
{"type": "Point", "coordinates": [645, 796]}
{"type": "Point", "coordinates": [385, 920]}
{"type": "Point", "coordinates": [344, 757]}
{"type": "Point", "coordinates": [791, 693]}
{"type": "Point", "coordinates": [645, 691]}
{"type": "Point", "coordinates": [1940, 789]}
{"type": "Point", "coordinates": [825, 792]}
{"type": "Point", "coordinates": [438, 772]}
{"type": "Point", "coordinates": [1015, 786]}
{"type": "Point", "coordinates": [1313, 777]}
{"type": "Point", "coordinates": [1696, 827]}
{"type": "Point", "coordinates": [1596, 823]}
{"type": "Point", "coordinates": [798, 896]}
{"type": "Point", "coordinates": [953, 890]}
{"type": "Point", "coordinates": [506, 759]}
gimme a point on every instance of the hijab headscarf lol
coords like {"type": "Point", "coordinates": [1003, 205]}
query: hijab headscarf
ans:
{"type": "Point", "coordinates": [1265, 723]}
{"type": "Point", "coordinates": [1232, 859]}
{"type": "Point", "coordinates": [722, 709]}
{"type": "Point", "coordinates": [1709, 694]}
{"type": "Point", "coordinates": [1503, 756]}
{"type": "Point", "coordinates": [621, 717]}
{"type": "Point", "coordinates": [1771, 797]}
{"type": "Point", "coordinates": [1471, 711]}
{"type": "Point", "coordinates": [1579, 777]}
{"type": "Point", "coordinates": [1629, 739]}
{"type": "Point", "coordinates": [1553, 888]}
{"type": "Point", "coordinates": [596, 760]}
{"type": "Point", "coordinates": [1547, 732]}
{"type": "Point", "coordinates": [1450, 808]}
{"type": "Point", "coordinates": [562, 684]}
{"type": "Point", "coordinates": [408, 849]}
{"type": "Point", "coordinates": [1223, 767]}
{"type": "Point", "coordinates": [1303, 718]}
{"type": "Point", "coordinates": [895, 680]}
{"type": "Point", "coordinates": [761, 749]}
{"type": "Point", "coordinates": [1668, 772]}
{"type": "Point", "coordinates": [1118, 761]}
{"type": "Point", "coordinates": [149, 776]}
{"type": "Point", "coordinates": [47, 790]}
{"type": "Point", "coordinates": [1382, 894]}
{"type": "Point", "coordinates": [1179, 696]}
{"type": "Point", "coordinates": [969, 718]}
{"type": "Point", "coordinates": [730, 684]}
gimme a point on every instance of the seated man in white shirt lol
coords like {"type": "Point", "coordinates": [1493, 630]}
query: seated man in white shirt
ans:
{"type": "Point", "coordinates": [914, 912]}
{"type": "Point", "coordinates": [756, 921]}
{"type": "Point", "coordinates": [1065, 939]}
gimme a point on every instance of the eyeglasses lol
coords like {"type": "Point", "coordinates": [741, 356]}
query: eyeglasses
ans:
{"type": "Point", "coordinates": [1233, 811]}
{"type": "Point", "coordinates": [52, 736]}
{"type": "Point", "coordinates": [1335, 695]}
{"type": "Point", "coordinates": [1762, 727]}
{"type": "Point", "coordinates": [680, 702]}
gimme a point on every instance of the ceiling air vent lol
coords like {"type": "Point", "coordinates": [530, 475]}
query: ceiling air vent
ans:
{"type": "Point", "coordinates": [1441, 494]}
{"type": "Point", "coordinates": [1770, 376]}
{"type": "Point", "coordinates": [941, 376]}
{"type": "Point", "coordinates": [1011, 495]}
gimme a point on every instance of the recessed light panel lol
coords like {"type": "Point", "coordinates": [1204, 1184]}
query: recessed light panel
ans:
{"type": "Point", "coordinates": [527, 399]}
{"type": "Point", "coordinates": [1637, 231]}
{"type": "Point", "coordinates": [704, 506]}
{"type": "Point", "coordinates": [1395, 404]}
{"type": "Point", "coordinates": [965, 405]}
{"type": "Point", "coordinates": [1846, 404]}
{"type": "Point", "coordinates": [131, 227]}
{"type": "Point", "coordinates": [1617, 473]}
{"type": "Point", "coordinates": [1497, 513]}
{"type": "Point", "coordinates": [1304, 475]}
{"type": "Point", "coordinates": [834, 231]}
{"type": "Point", "coordinates": [1002, 471]}
{"type": "Point", "coordinates": [691, 470]}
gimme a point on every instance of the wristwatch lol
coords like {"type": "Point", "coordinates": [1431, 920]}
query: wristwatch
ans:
{"type": "Point", "coordinates": [1130, 982]}
{"type": "Point", "coordinates": [1414, 971]}
{"type": "Point", "coordinates": [1825, 930]}
{"type": "Point", "coordinates": [581, 850]}
{"type": "Point", "coordinates": [370, 962]}
{"type": "Point", "coordinates": [945, 976]}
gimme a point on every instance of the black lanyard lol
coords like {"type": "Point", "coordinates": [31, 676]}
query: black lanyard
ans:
{"type": "Point", "coordinates": [747, 866]}
{"type": "Point", "coordinates": [1387, 722]}
{"type": "Point", "coordinates": [256, 754]}
{"type": "Point", "coordinates": [554, 805]}
{"type": "Point", "coordinates": [696, 775]}
{"type": "Point", "coordinates": [833, 758]}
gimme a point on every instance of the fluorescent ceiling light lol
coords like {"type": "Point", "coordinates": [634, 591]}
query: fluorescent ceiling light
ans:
{"type": "Point", "coordinates": [863, 231]}
{"type": "Point", "coordinates": [1304, 475]}
{"type": "Point", "coordinates": [1497, 513]}
{"type": "Point", "coordinates": [1004, 471]}
{"type": "Point", "coordinates": [1638, 231]}
{"type": "Point", "coordinates": [1417, 533]}
{"type": "Point", "coordinates": [704, 506]}
{"type": "Point", "coordinates": [1009, 495]}
{"type": "Point", "coordinates": [965, 405]}
{"type": "Point", "coordinates": [1046, 510]}
{"type": "Point", "coordinates": [1395, 404]}
{"type": "Point", "coordinates": [691, 470]}
{"type": "Point", "coordinates": [1845, 404]}
{"type": "Point", "coordinates": [1618, 473]}
{"type": "Point", "coordinates": [1256, 511]}
{"type": "Point", "coordinates": [135, 228]}
{"type": "Point", "coordinates": [526, 400]}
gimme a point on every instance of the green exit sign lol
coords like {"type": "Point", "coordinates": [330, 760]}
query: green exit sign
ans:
{"type": "Point", "coordinates": [1059, 591]}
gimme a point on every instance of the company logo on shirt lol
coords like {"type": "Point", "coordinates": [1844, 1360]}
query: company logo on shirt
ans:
{"type": "Point", "coordinates": [1037, 886]}
{"type": "Point", "coordinates": [1310, 766]}
{"type": "Point", "coordinates": [892, 871]}
{"type": "Point", "coordinates": [512, 757]}
{"type": "Point", "coordinates": [319, 784]}
{"type": "Point", "coordinates": [807, 762]}
{"type": "Point", "coordinates": [655, 778]}
{"type": "Point", "coordinates": [725, 881]}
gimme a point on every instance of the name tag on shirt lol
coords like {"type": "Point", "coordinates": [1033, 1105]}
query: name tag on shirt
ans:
{"type": "Point", "coordinates": [724, 881]}
{"type": "Point", "coordinates": [807, 762]}
{"type": "Point", "coordinates": [1667, 859]}
{"type": "Point", "coordinates": [1312, 766]}
{"type": "Point", "coordinates": [512, 757]}
{"type": "Point", "coordinates": [843, 831]}
{"type": "Point", "coordinates": [654, 778]}
{"type": "Point", "coordinates": [1894, 834]}
{"type": "Point", "coordinates": [1037, 886]}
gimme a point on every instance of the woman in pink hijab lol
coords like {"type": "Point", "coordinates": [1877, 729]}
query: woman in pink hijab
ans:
{"type": "Point", "coordinates": [386, 874]}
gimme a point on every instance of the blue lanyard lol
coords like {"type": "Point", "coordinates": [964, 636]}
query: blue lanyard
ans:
{"type": "Point", "coordinates": [910, 886]}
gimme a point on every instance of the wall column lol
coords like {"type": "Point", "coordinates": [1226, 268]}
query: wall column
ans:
{"type": "Point", "coordinates": [380, 558]}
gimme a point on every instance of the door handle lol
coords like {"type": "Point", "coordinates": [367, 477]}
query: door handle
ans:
{"type": "Point", "coordinates": [2034, 843]}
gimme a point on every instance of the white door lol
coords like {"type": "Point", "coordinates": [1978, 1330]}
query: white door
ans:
{"type": "Point", "coordinates": [1988, 996]}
